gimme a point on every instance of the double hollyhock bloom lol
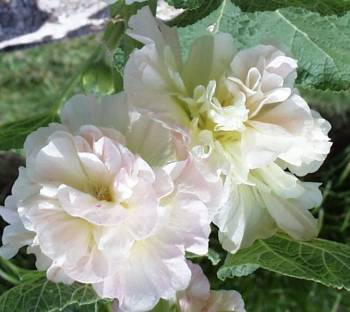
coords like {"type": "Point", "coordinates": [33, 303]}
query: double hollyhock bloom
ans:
{"type": "Point", "coordinates": [104, 199]}
{"type": "Point", "coordinates": [126, 184]}
{"type": "Point", "coordinates": [241, 115]}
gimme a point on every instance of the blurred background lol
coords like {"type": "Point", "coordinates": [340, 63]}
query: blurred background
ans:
{"type": "Point", "coordinates": [36, 65]}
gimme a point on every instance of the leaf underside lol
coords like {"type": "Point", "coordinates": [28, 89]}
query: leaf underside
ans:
{"type": "Point", "coordinates": [37, 294]}
{"type": "Point", "coordinates": [318, 260]}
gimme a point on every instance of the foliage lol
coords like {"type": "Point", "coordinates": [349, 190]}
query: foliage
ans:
{"type": "Point", "coordinates": [36, 294]}
{"type": "Point", "coordinates": [305, 30]}
{"type": "Point", "coordinates": [319, 260]}
{"type": "Point", "coordinates": [319, 43]}
{"type": "Point", "coordinates": [324, 7]}
{"type": "Point", "coordinates": [195, 13]}
{"type": "Point", "coordinates": [186, 4]}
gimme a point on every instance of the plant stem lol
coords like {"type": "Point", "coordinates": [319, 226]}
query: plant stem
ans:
{"type": "Point", "coordinates": [9, 278]}
{"type": "Point", "coordinates": [153, 6]}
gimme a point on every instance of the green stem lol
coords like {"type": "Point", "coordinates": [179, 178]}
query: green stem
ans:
{"type": "Point", "coordinates": [336, 303]}
{"type": "Point", "coordinates": [10, 266]}
{"type": "Point", "coordinates": [344, 174]}
{"type": "Point", "coordinates": [9, 278]}
{"type": "Point", "coordinates": [74, 81]}
{"type": "Point", "coordinates": [153, 6]}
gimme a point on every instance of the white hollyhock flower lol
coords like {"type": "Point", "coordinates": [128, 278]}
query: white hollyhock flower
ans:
{"type": "Point", "coordinates": [243, 117]}
{"type": "Point", "coordinates": [245, 99]}
{"type": "Point", "coordinates": [104, 200]}
{"type": "Point", "coordinates": [199, 298]}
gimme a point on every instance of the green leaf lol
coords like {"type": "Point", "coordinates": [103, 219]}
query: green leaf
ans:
{"type": "Point", "coordinates": [164, 306]}
{"type": "Point", "coordinates": [214, 256]}
{"type": "Point", "coordinates": [266, 291]}
{"type": "Point", "coordinates": [321, 44]}
{"type": "Point", "coordinates": [186, 4]}
{"type": "Point", "coordinates": [324, 7]}
{"type": "Point", "coordinates": [318, 260]}
{"type": "Point", "coordinates": [37, 294]}
{"type": "Point", "coordinates": [12, 135]}
{"type": "Point", "coordinates": [192, 15]}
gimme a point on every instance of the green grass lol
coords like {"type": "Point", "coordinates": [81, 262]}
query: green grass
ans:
{"type": "Point", "coordinates": [31, 79]}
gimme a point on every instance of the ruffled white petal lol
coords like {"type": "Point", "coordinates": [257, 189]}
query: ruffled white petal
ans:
{"type": "Point", "coordinates": [154, 270]}
{"type": "Point", "coordinates": [277, 201]}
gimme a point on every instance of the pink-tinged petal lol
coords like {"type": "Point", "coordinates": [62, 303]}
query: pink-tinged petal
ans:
{"type": "Point", "coordinates": [68, 243]}
{"type": "Point", "coordinates": [197, 178]}
{"type": "Point", "coordinates": [293, 115]}
{"type": "Point", "coordinates": [153, 271]}
{"type": "Point", "coordinates": [225, 300]}
{"type": "Point", "coordinates": [194, 298]}
{"type": "Point", "coordinates": [187, 223]}
{"type": "Point", "coordinates": [282, 66]}
{"type": "Point", "coordinates": [163, 184]}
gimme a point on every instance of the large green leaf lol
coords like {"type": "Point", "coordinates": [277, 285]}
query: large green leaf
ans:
{"type": "Point", "coordinates": [319, 260]}
{"type": "Point", "coordinates": [12, 135]}
{"type": "Point", "coordinates": [37, 294]}
{"type": "Point", "coordinates": [321, 44]}
{"type": "Point", "coordinates": [325, 7]}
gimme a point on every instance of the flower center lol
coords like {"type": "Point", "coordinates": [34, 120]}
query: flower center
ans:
{"type": "Point", "coordinates": [102, 193]}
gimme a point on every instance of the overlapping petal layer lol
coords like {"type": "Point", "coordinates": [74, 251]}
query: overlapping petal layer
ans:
{"type": "Point", "coordinates": [105, 199]}
{"type": "Point", "coordinates": [241, 114]}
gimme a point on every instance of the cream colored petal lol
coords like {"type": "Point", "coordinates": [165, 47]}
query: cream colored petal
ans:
{"type": "Point", "coordinates": [152, 141]}
{"type": "Point", "coordinates": [15, 235]}
{"type": "Point", "coordinates": [110, 111]}
{"type": "Point", "coordinates": [150, 83]}
{"type": "Point", "coordinates": [243, 219]}
{"type": "Point", "coordinates": [58, 162]}
{"type": "Point", "coordinates": [209, 59]}
{"type": "Point", "coordinates": [310, 148]}
{"type": "Point", "coordinates": [39, 138]}
{"type": "Point", "coordinates": [145, 28]}
{"type": "Point", "coordinates": [262, 143]}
